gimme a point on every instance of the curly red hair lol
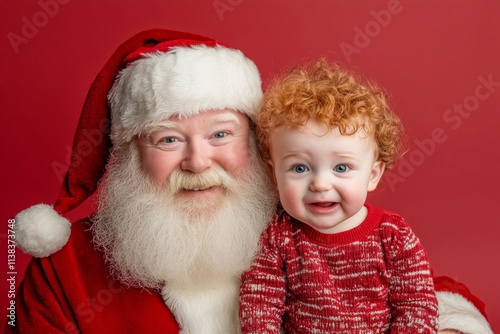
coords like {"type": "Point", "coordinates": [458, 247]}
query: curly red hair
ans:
{"type": "Point", "coordinates": [332, 96]}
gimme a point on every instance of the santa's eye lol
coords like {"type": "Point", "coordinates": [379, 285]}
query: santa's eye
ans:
{"type": "Point", "coordinates": [220, 134]}
{"type": "Point", "coordinates": [168, 140]}
{"type": "Point", "coordinates": [341, 168]}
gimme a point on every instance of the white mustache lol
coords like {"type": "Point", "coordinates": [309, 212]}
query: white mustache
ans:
{"type": "Point", "coordinates": [212, 177]}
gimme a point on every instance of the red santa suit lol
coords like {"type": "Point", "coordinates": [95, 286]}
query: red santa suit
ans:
{"type": "Point", "coordinates": [73, 291]}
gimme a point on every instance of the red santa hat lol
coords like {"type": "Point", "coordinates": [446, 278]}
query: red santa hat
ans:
{"type": "Point", "coordinates": [154, 75]}
{"type": "Point", "coordinates": [459, 309]}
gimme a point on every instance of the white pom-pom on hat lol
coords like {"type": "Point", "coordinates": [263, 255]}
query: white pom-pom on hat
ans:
{"type": "Point", "coordinates": [41, 231]}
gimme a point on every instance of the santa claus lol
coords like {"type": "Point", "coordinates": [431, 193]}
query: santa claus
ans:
{"type": "Point", "coordinates": [182, 200]}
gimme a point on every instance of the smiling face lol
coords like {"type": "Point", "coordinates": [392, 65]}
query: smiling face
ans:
{"type": "Point", "coordinates": [322, 176]}
{"type": "Point", "coordinates": [195, 187]}
{"type": "Point", "coordinates": [196, 156]}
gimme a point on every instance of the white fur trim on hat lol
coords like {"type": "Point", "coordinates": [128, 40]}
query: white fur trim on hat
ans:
{"type": "Point", "coordinates": [456, 312]}
{"type": "Point", "coordinates": [41, 231]}
{"type": "Point", "coordinates": [182, 82]}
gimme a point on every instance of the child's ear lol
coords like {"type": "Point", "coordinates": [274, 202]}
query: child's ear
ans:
{"type": "Point", "coordinates": [378, 169]}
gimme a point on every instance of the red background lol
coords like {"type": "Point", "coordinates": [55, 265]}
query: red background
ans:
{"type": "Point", "coordinates": [429, 55]}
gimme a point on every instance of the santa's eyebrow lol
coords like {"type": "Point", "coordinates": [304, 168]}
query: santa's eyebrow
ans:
{"type": "Point", "coordinates": [166, 124]}
{"type": "Point", "coordinates": [224, 118]}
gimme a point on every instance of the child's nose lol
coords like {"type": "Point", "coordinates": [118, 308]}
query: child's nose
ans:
{"type": "Point", "coordinates": [321, 182]}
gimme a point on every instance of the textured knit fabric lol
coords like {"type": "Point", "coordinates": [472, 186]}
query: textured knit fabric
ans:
{"type": "Point", "coordinates": [72, 291]}
{"type": "Point", "coordinates": [374, 278]}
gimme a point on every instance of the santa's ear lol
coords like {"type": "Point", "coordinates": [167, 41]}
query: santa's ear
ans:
{"type": "Point", "coordinates": [378, 169]}
{"type": "Point", "coordinates": [270, 168]}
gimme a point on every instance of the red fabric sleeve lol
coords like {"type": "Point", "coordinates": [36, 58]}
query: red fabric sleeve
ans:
{"type": "Point", "coordinates": [72, 291]}
{"type": "Point", "coordinates": [40, 303]}
{"type": "Point", "coordinates": [412, 294]}
{"type": "Point", "coordinates": [263, 308]}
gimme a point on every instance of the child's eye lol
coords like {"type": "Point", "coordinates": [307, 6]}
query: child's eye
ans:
{"type": "Point", "coordinates": [300, 169]}
{"type": "Point", "coordinates": [341, 168]}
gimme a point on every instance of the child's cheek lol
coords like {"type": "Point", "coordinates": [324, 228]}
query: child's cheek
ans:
{"type": "Point", "coordinates": [291, 196]}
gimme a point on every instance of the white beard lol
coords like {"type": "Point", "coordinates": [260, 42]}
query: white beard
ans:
{"type": "Point", "coordinates": [193, 252]}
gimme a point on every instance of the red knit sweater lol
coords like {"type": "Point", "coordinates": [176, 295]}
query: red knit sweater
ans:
{"type": "Point", "coordinates": [374, 278]}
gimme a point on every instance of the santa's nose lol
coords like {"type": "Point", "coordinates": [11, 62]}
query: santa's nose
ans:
{"type": "Point", "coordinates": [198, 157]}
